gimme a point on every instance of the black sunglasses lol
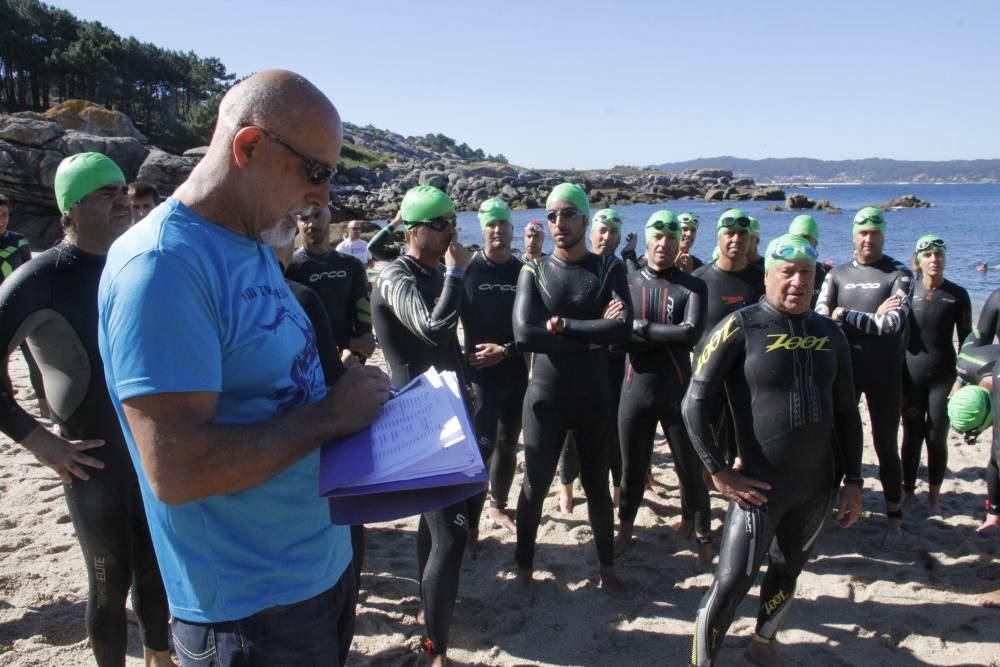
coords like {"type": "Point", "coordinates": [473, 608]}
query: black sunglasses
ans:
{"type": "Point", "coordinates": [569, 212]}
{"type": "Point", "coordinates": [316, 172]}
{"type": "Point", "coordinates": [735, 222]}
{"type": "Point", "coordinates": [437, 224]}
{"type": "Point", "coordinates": [935, 243]}
{"type": "Point", "coordinates": [665, 226]}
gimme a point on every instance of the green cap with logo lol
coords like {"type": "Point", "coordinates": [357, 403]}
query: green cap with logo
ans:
{"type": "Point", "coordinates": [788, 248]}
{"type": "Point", "coordinates": [688, 220]}
{"type": "Point", "coordinates": [424, 203]}
{"type": "Point", "coordinates": [663, 222]}
{"type": "Point", "coordinates": [572, 193]}
{"type": "Point", "coordinates": [869, 218]}
{"type": "Point", "coordinates": [79, 175]}
{"type": "Point", "coordinates": [804, 225]}
{"type": "Point", "coordinates": [493, 210]}
{"type": "Point", "coordinates": [970, 409]}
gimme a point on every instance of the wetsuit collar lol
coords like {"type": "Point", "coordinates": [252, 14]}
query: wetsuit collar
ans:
{"type": "Point", "coordinates": [766, 305]}
{"type": "Point", "coordinates": [666, 273]}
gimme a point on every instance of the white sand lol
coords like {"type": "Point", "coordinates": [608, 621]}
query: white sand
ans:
{"type": "Point", "coordinates": [856, 604]}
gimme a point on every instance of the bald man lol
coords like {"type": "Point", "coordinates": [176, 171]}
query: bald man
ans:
{"type": "Point", "coordinates": [213, 368]}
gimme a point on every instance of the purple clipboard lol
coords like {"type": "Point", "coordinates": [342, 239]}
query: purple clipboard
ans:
{"type": "Point", "coordinates": [344, 460]}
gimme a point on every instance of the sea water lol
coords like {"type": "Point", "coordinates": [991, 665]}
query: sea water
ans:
{"type": "Point", "coordinates": [967, 217]}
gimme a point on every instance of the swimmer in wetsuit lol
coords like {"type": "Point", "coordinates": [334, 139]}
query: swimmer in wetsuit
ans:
{"type": "Point", "coordinates": [52, 303]}
{"type": "Point", "coordinates": [806, 227]}
{"type": "Point", "coordinates": [939, 309]}
{"type": "Point", "coordinates": [415, 309]}
{"type": "Point", "coordinates": [669, 317]}
{"type": "Point", "coordinates": [687, 262]}
{"type": "Point", "coordinates": [605, 236]}
{"type": "Point", "coordinates": [534, 238]}
{"type": "Point", "coordinates": [971, 412]}
{"type": "Point", "coordinates": [987, 329]}
{"type": "Point", "coordinates": [852, 295]}
{"type": "Point", "coordinates": [498, 371]}
{"type": "Point", "coordinates": [731, 283]}
{"type": "Point", "coordinates": [753, 256]}
{"type": "Point", "coordinates": [787, 372]}
{"type": "Point", "coordinates": [562, 315]}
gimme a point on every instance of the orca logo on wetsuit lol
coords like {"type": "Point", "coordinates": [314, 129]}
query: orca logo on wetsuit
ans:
{"type": "Point", "coordinates": [862, 286]}
{"type": "Point", "coordinates": [720, 336]}
{"type": "Point", "coordinates": [486, 287]}
{"type": "Point", "coordinates": [327, 274]}
{"type": "Point", "coordinates": [786, 342]}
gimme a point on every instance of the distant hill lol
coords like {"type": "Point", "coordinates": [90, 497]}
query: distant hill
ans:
{"type": "Point", "coordinates": [870, 170]}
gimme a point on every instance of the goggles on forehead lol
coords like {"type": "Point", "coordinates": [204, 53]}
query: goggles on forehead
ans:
{"type": "Point", "coordinates": [931, 244]}
{"type": "Point", "coordinates": [664, 226]}
{"type": "Point", "coordinates": [791, 253]}
{"type": "Point", "coordinates": [742, 223]}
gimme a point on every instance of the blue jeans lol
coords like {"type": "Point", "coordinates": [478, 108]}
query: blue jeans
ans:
{"type": "Point", "coordinates": [317, 631]}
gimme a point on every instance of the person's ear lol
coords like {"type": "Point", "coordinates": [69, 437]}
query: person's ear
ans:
{"type": "Point", "coordinates": [245, 142]}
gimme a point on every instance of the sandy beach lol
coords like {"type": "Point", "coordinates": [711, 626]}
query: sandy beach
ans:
{"type": "Point", "coordinates": [857, 603]}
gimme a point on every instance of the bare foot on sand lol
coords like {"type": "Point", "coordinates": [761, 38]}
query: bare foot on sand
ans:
{"type": "Point", "coordinates": [566, 498]}
{"type": "Point", "coordinates": [764, 654]}
{"type": "Point", "coordinates": [501, 517]}
{"type": "Point", "coordinates": [991, 526]}
{"type": "Point", "coordinates": [624, 539]}
{"type": "Point", "coordinates": [893, 528]}
{"type": "Point", "coordinates": [704, 551]}
{"type": "Point", "coordinates": [157, 658]}
{"type": "Point", "coordinates": [524, 586]}
{"type": "Point", "coordinates": [612, 583]}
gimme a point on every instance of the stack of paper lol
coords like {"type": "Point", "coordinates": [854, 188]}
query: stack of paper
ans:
{"type": "Point", "coordinates": [419, 456]}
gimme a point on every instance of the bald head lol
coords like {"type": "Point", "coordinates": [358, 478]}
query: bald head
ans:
{"type": "Point", "coordinates": [282, 101]}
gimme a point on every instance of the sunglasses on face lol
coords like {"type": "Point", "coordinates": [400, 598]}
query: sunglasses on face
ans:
{"type": "Point", "coordinates": [931, 244]}
{"type": "Point", "coordinates": [570, 212]}
{"type": "Point", "coordinates": [742, 223]}
{"type": "Point", "coordinates": [665, 226]}
{"type": "Point", "coordinates": [317, 173]}
{"type": "Point", "coordinates": [437, 224]}
{"type": "Point", "coordinates": [791, 253]}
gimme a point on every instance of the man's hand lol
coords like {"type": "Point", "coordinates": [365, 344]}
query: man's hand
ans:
{"type": "Point", "coordinates": [849, 506]}
{"type": "Point", "coordinates": [630, 241]}
{"type": "Point", "coordinates": [555, 324]}
{"type": "Point", "coordinates": [358, 397]}
{"type": "Point", "coordinates": [614, 309]}
{"type": "Point", "coordinates": [684, 262]}
{"type": "Point", "coordinates": [744, 491]}
{"type": "Point", "coordinates": [349, 360]}
{"type": "Point", "coordinates": [363, 345]}
{"type": "Point", "coordinates": [397, 221]}
{"type": "Point", "coordinates": [64, 456]}
{"type": "Point", "coordinates": [889, 305]}
{"type": "Point", "coordinates": [486, 355]}
{"type": "Point", "coordinates": [457, 254]}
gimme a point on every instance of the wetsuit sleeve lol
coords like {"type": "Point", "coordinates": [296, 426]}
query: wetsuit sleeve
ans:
{"type": "Point", "coordinates": [688, 332]}
{"type": "Point", "coordinates": [20, 311]}
{"type": "Point", "coordinates": [361, 300]}
{"type": "Point", "coordinates": [827, 299]}
{"type": "Point", "coordinates": [382, 247]}
{"type": "Point", "coordinates": [963, 323]}
{"type": "Point", "coordinates": [631, 261]}
{"type": "Point", "coordinates": [530, 316]}
{"type": "Point", "coordinates": [602, 331]}
{"type": "Point", "coordinates": [986, 327]}
{"type": "Point", "coordinates": [435, 328]}
{"type": "Point", "coordinates": [849, 436]}
{"type": "Point", "coordinates": [712, 365]}
{"type": "Point", "coordinates": [890, 323]}
{"type": "Point", "coordinates": [329, 357]}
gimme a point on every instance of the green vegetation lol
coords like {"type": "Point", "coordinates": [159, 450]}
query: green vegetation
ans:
{"type": "Point", "coordinates": [352, 155]}
{"type": "Point", "coordinates": [47, 56]}
{"type": "Point", "coordinates": [442, 144]}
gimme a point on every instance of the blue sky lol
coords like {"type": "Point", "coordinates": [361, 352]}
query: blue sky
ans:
{"type": "Point", "coordinates": [591, 85]}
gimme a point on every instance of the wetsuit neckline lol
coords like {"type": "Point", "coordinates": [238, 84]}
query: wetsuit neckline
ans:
{"type": "Point", "coordinates": [666, 273]}
{"type": "Point", "coordinates": [579, 262]}
{"type": "Point", "coordinates": [767, 306]}
{"type": "Point", "coordinates": [491, 263]}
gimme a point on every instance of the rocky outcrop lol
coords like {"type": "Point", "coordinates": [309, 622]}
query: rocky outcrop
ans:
{"type": "Point", "coordinates": [796, 201]}
{"type": "Point", "coordinates": [906, 201]}
{"type": "Point", "coordinates": [166, 171]}
{"type": "Point", "coordinates": [90, 118]}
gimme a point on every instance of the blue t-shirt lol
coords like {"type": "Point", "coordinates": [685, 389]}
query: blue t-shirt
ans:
{"type": "Point", "coordinates": [187, 306]}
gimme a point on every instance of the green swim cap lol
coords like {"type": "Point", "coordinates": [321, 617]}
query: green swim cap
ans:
{"type": "Point", "coordinates": [754, 227]}
{"type": "Point", "coordinates": [732, 218]}
{"type": "Point", "coordinates": [572, 193]}
{"type": "Point", "coordinates": [970, 409]}
{"type": "Point", "coordinates": [788, 248]}
{"type": "Point", "coordinates": [608, 216]}
{"type": "Point", "coordinates": [930, 242]}
{"type": "Point", "coordinates": [663, 222]}
{"type": "Point", "coordinates": [688, 220]}
{"type": "Point", "coordinates": [79, 175]}
{"type": "Point", "coordinates": [492, 210]}
{"type": "Point", "coordinates": [423, 203]}
{"type": "Point", "coordinates": [804, 225]}
{"type": "Point", "coordinates": [869, 218]}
